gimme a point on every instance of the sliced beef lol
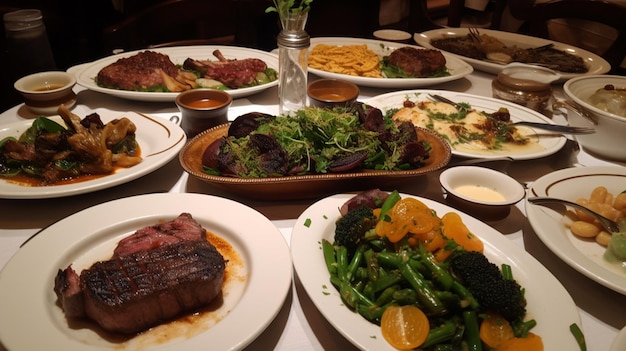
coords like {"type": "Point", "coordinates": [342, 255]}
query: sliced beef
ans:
{"type": "Point", "coordinates": [184, 227]}
{"type": "Point", "coordinates": [138, 289]}
{"type": "Point", "coordinates": [138, 72]}
{"type": "Point", "coordinates": [232, 73]}
{"type": "Point", "coordinates": [417, 62]}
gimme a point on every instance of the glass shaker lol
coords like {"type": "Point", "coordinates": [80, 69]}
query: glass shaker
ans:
{"type": "Point", "coordinates": [28, 46]}
{"type": "Point", "coordinates": [293, 46]}
{"type": "Point", "coordinates": [525, 85]}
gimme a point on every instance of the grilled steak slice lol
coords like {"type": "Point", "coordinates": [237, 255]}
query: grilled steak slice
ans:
{"type": "Point", "coordinates": [232, 73]}
{"type": "Point", "coordinates": [138, 72]}
{"type": "Point", "coordinates": [417, 62]}
{"type": "Point", "coordinates": [184, 227]}
{"type": "Point", "coordinates": [131, 293]}
{"type": "Point", "coordinates": [140, 288]}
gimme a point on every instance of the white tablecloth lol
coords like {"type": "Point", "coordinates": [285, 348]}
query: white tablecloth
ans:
{"type": "Point", "coordinates": [299, 326]}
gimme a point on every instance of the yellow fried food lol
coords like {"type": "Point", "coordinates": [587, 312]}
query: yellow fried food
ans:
{"type": "Point", "coordinates": [354, 60]}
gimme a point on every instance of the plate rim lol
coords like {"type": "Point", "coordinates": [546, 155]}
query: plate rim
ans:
{"type": "Point", "coordinates": [176, 140]}
{"type": "Point", "coordinates": [264, 262]}
{"type": "Point", "coordinates": [86, 72]}
{"type": "Point", "coordinates": [458, 96]}
{"type": "Point", "coordinates": [327, 300]}
{"type": "Point", "coordinates": [573, 257]}
{"type": "Point", "coordinates": [423, 39]}
{"type": "Point", "coordinates": [464, 67]}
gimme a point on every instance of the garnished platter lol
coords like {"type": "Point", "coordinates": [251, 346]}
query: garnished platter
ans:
{"type": "Point", "coordinates": [546, 143]}
{"type": "Point", "coordinates": [542, 289]}
{"type": "Point", "coordinates": [261, 284]}
{"type": "Point", "coordinates": [159, 139]}
{"type": "Point", "coordinates": [457, 67]}
{"type": "Point", "coordinates": [585, 256]}
{"type": "Point", "coordinates": [595, 63]}
{"type": "Point", "coordinates": [304, 186]}
{"type": "Point", "coordinates": [85, 76]}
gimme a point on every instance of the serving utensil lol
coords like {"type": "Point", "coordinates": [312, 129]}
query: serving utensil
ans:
{"type": "Point", "coordinates": [545, 126]}
{"type": "Point", "coordinates": [608, 225]}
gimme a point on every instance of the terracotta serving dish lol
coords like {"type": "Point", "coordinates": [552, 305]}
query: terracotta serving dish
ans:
{"type": "Point", "coordinates": [305, 186]}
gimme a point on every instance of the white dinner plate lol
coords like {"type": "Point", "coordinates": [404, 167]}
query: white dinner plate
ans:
{"type": "Point", "coordinates": [541, 287]}
{"type": "Point", "coordinates": [86, 76]}
{"type": "Point", "coordinates": [585, 256]}
{"type": "Point", "coordinates": [159, 139]}
{"type": "Point", "coordinates": [457, 67]}
{"type": "Point", "coordinates": [595, 63]}
{"type": "Point", "coordinates": [548, 143]}
{"type": "Point", "coordinates": [251, 299]}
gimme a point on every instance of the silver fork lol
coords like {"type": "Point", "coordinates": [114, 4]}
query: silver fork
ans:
{"type": "Point", "coordinates": [545, 126]}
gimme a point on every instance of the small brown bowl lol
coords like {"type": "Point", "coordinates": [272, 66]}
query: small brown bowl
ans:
{"type": "Point", "coordinates": [332, 93]}
{"type": "Point", "coordinates": [202, 109]}
{"type": "Point", "coordinates": [44, 92]}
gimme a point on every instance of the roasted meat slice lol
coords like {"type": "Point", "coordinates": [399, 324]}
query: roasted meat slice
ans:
{"type": "Point", "coordinates": [232, 73]}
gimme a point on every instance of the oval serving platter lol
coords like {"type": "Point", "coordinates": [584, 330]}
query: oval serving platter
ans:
{"type": "Point", "coordinates": [304, 186]}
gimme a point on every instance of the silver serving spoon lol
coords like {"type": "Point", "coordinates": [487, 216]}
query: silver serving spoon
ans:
{"type": "Point", "coordinates": [608, 225]}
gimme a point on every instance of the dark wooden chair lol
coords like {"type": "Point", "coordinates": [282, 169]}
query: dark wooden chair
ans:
{"type": "Point", "coordinates": [180, 22]}
{"type": "Point", "coordinates": [537, 16]}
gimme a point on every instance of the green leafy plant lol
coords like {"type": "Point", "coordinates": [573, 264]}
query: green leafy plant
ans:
{"type": "Point", "coordinates": [284, 7]}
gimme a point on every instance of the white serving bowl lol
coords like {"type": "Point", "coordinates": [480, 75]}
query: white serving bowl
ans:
{"type": "Point", "coordinates": [479, 190]}
{"type": "Point", "coordinates": [44, 92]}
{"type": "Point", "coordinates": [608, 140]}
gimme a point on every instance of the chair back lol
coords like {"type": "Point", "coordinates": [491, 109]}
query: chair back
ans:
{"type": "Point", "coordinates": [177, 22]}
{"type": "Point", "coordinates": [538, 16]}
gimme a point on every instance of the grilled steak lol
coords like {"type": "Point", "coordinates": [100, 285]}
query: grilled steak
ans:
{"type": "Point", "coordinates": [417, 62]}
{"type": "Point", "coordinates": [138, 72]}
{"type": "Point", "coordinates": [154, 275]}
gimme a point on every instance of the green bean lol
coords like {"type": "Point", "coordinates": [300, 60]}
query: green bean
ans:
{"type": "Point", "coordinates": [521, 329]}
{"type": "Point", "coordinates": [355, 262]}
{"type": "Point", "coordinates": [472, 334]}
{"type": "Point", "coordinates": [507, 272]}
{"type": "Point", "coordinates": [441, 276]}
{"type": "Point", "coordinates": [329, 256]}
{"type": "Point", "coordinates": [391, 200]}
{"type": "Point", "coordinates": [580, 337]}
{"type": "Point", "coordinates": [405, 296]}
{"type": "Point", "coordinates": [342, 262]}
{"type": "Point", "coordinates": [386, 279]}
{"type": "Point", "coordinates": [426, 295]}
{"type": "Point", "coordinates": [371, 264]}
{"type": "Point", "coordinates": [465, 295]}
{"type": "Point", "coordinates": [440, 334]}
{"type": "Point", "coordinates": [386, 296]}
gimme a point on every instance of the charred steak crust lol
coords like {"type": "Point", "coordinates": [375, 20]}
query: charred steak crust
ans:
{"type": "Point", "coordinates": [138, 289]}
{"type": "Point", "coordinates": [129, 294]}
{"type": "Point", "coordinates": [138, 72]}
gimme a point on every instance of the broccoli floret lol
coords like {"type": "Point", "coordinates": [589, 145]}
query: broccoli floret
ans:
{"type": "Point", "coordinates": [486, 283]}
{"type": "Point", "coordinates": [352, 227]}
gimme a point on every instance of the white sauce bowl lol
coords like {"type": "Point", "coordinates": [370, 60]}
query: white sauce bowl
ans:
{"type": "Point", "coordinates": [481, 189]}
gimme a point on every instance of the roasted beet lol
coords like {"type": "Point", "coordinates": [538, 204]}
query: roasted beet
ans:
{"type": "Point", "coordinates": [373, 198]}
{"type": "Point", "coordinates": [210, 155]}
{"type": "Point", "coordinates": [371, 117]}
{"type": "Point", "coordinates": [273, 158]}
{"type": "Point", "coordinates": [247, 123]}
{"type": "Point", "coordinates": [349, 162]}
